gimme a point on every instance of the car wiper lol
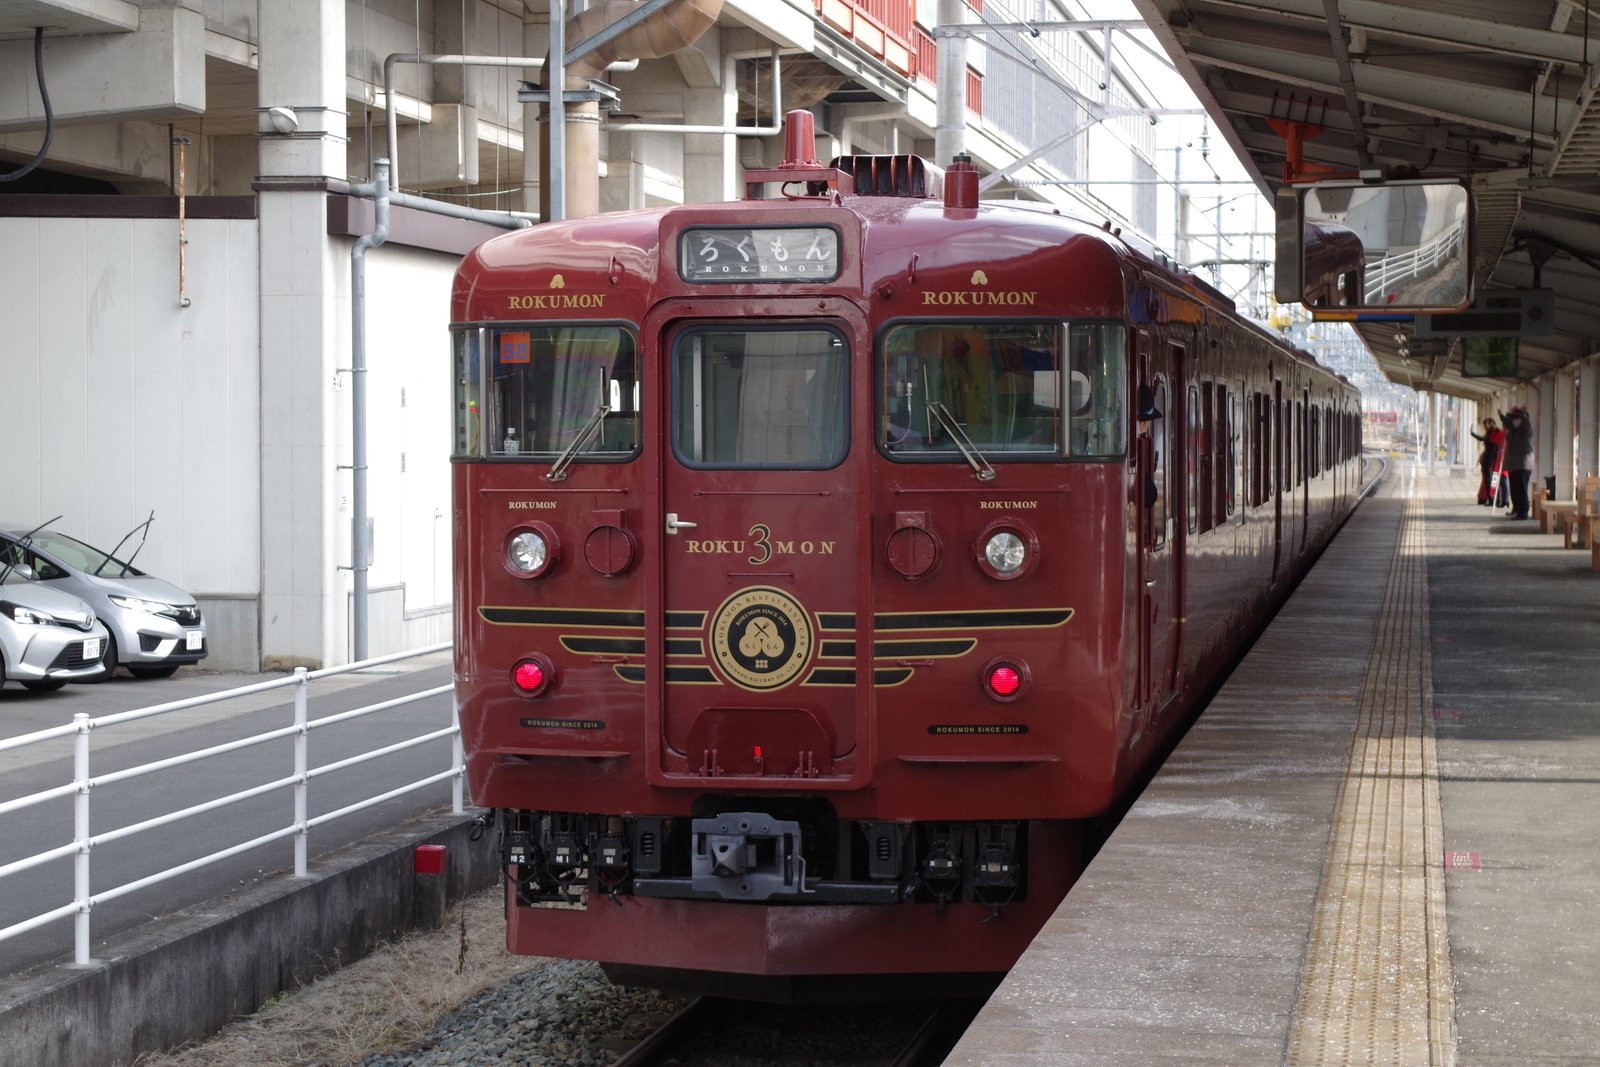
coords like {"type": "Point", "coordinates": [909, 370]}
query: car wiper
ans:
{"type": "Point", "coordinates": [22, 542]}
{"type": "Point", "coordinates": [558, 470]}
{"type": "Point", "coordinates": [145, 526]}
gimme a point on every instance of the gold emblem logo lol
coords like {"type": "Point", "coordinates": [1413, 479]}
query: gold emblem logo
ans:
{"type": "Point", "coordinates": [979, 278]}
{"type": "Point", "coordinates": [760, 639]}
{"type": "Point", "coordinates": [558, 282]}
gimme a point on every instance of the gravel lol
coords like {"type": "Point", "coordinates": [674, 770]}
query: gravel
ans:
{"type": "Point", "coordinates": [566, 1012]}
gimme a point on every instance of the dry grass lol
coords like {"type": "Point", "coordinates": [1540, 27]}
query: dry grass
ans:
{"type": "Point", "coordinates": [378, 1004]}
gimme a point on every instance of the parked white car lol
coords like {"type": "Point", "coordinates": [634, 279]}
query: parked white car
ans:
{"type": "Point", "coordinates": [47, 637]}
{"type": "Point", "coordinates": [153, 627]}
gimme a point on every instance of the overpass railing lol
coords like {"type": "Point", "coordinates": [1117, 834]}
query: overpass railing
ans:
{"type": "Point", "coordinates": [81, 787]}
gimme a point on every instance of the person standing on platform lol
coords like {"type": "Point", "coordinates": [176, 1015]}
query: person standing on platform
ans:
{"type": "Point", "coordinates": [1494, 442]}
{"type": "Point", "coordinates": [1519, 457]}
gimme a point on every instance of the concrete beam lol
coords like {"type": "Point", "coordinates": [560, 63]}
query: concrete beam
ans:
{"type": "Point", "coordinates": [442, 153]}
{"type": "Point", "coordinates": [159, 71]}
{"type": "Point", "coordinates": [128, 150]}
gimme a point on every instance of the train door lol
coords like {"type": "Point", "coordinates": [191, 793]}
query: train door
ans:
{"type": "Point", "coordinates": [1279, 442]}
{"type": "Point", "coordinates": [761, 504]}
{"type": "Point", "coordinates": [1308, 464]}
{"type": "Point", "coordinates": [1158, 424]}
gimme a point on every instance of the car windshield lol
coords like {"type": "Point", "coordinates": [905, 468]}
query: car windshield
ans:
{"type": "Point", "coordinates": [79, 556]}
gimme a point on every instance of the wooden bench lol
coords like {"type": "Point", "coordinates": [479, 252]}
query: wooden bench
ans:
{"type": "Point", "coordinates": [1536, 501]}
{"type": "Point", "coordinates": [1583, 517]}
{"type": "Point", "coordinates": [1555, 511]}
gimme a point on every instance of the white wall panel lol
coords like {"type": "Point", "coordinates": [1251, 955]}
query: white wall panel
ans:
{"type": "Point", "coordinates": [117, 401]}
{"type": "Point", "coordinates": [21, 370]}
{"type": "Point", "coordinates": [408, 350]}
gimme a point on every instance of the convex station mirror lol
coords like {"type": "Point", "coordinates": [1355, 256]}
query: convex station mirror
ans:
{"type": "Point", "coordinates": [1397, 246]}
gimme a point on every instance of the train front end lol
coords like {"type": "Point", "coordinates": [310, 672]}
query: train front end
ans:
{"type": "Point", "coordinates": [763, 668]}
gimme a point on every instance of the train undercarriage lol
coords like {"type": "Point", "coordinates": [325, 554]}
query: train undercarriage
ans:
{"type": "Point", "coordinates": [795, 853]}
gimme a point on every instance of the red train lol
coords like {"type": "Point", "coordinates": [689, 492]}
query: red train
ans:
{"type": "Point", "coordinates": [825, 561]}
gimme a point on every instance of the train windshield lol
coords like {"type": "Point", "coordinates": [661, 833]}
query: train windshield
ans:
{"type": "Point", "coordinates": [538, 391]}
{"type": "Point", "coordinates": [1027, 390]}
{"type": "Point", "coordinates": [760, 398]}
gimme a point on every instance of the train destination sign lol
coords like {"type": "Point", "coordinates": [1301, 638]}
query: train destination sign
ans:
{"type": "Point", "coordinates": [759, 254]}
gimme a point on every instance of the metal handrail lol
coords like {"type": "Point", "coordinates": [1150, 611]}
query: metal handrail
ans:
{"type": "Point", "coordinates": [82, 784]}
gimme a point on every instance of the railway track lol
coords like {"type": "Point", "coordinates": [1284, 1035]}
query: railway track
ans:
{"type": "Point", "coordinates": [714, 1032]}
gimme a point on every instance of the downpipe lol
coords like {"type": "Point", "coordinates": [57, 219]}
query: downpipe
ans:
{"type": "Point", "coordinates": [379, 191]}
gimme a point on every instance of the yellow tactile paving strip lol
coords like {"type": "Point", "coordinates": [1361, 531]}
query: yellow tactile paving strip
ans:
{"type": "Point", "coordinates": [1376, 987]}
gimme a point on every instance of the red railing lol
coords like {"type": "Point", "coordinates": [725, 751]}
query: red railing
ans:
{"type": "Point", "coordinates": [925, 54]}
{"type": "Point", "coordinates": [974, 92]}
{"type": "Point", "coordinates": [881, 27]}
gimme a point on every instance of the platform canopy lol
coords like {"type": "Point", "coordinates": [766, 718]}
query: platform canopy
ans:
{"type": "Point", "coordinates": [1502, 91]}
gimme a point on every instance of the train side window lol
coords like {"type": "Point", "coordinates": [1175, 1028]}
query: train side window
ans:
{"type": "Point", "coordinates": [760, 398]}
{"type": "Point", "coordinates": [535, 390]}
{"type": "Point", "coordinates": [1028, 390]}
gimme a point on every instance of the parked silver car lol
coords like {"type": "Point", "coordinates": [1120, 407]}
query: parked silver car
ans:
{"type": "Point", "coordinates": [153, 627]}
{"type": "Point", "coordinates": [47, 637]}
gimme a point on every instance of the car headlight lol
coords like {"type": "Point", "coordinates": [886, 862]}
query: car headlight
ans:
{"type": "Point", "coordinates": [1005, 552]}
{"type": "Point", "coordinates": [527, 553]}
{"type": "Point", "coordinates": [26, 616]}
{"type": "Point", "coordinates": [133, 603]}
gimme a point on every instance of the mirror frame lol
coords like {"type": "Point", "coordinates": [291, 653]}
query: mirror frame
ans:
{"type": "Point", "coordinates": [1294, 278]}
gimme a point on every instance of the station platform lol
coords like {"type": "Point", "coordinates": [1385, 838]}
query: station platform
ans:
{"type": "Point", "coordinates": [1378, 843]}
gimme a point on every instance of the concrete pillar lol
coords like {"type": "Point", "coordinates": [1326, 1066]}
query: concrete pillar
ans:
{"type": "Point", "coordinates": [711, 161]}
{"type": "Point", "coordinates": [304, 339]}
{"type": "Point", "coordinates": [622, 189]}
{"type": "Point", "coordinates": [1542, 403]}
{"type": "Point", "coordinates": [1588, 418]}
{"type": "Point", "coordinates": [1563, 453]}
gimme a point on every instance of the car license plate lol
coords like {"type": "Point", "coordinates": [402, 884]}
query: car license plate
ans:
{"type": "Point", "coordinates": [91, 648]}
{"type": "Point", "coordinates": [192, 640]}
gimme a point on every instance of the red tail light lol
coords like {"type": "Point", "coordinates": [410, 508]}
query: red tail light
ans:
{"type": "Point", "coordinates": [1003, 680]}
{"type": "Point", "coordinates": [532, 676]}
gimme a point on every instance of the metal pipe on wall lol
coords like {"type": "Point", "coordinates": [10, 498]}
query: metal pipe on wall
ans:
{"type": "Point", "coordinates": [358, 405]}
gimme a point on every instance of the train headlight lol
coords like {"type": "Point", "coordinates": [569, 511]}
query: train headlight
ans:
{"type": "Point", "coordinates": [531, 550]}
{"type": "Point", "coordinates": [1005, 552]}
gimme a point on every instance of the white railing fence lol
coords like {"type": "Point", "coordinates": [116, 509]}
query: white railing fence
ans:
{"type": "Point", "coordinates": [1385, 273]}
{"type": "Point", "coordinates": [81, 786]}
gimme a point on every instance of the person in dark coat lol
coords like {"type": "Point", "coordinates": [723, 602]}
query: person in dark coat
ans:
{"type": "Point", "coordinates": [1519, 457]}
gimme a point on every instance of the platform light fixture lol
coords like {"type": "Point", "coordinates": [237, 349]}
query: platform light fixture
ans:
{"type": "Point", "coordinates": [283, 119]}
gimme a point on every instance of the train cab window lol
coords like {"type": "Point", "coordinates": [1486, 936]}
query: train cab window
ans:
{"type": "Point", "coordinates": [541, 390]}
{"type": "Point", "coordinates": [1026, 390]}
{"type": "Point", "coordinates": [760, 398]}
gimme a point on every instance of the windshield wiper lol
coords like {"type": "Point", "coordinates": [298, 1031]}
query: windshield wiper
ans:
{"type": "Point", "coordinates": [558, 470]}
{"type": "Point", "coordinates": [111, 556]}
{"type": "Point", "coordinates": [982, 469]}
{"type": "Point", "coordinates": [22, 542]}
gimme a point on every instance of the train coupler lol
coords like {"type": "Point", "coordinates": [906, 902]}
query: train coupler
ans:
{"type": "Point", "coordinates": [742, 855]}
